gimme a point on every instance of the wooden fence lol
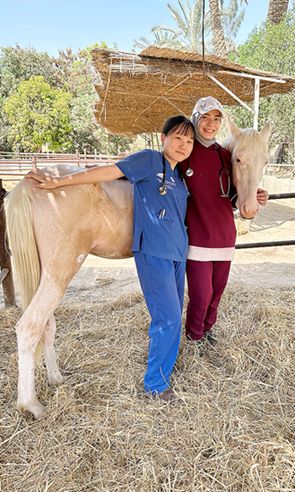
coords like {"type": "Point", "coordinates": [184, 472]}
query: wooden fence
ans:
{"type": "Point", "coordinates": [13, 167]}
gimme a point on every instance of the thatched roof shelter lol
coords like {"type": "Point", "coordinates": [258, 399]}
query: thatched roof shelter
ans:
{"type": "Point", "coordinates": [139, 91]}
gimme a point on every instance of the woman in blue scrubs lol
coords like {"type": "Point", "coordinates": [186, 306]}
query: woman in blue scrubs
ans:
{"type": "Point", "coordinates": [159, 239]}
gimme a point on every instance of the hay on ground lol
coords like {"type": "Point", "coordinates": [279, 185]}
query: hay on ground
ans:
{"type": "Point", "coordinates": [232, 429]}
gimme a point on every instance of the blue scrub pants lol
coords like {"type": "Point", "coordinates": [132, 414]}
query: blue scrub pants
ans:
{"type": "Point", "coordinates": [162, 283]}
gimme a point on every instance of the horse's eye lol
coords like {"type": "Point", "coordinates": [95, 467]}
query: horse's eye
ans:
{"type": "Point", "coordinates": [266, 163]}
{"type": "Point", "coordinates": [238, 160]}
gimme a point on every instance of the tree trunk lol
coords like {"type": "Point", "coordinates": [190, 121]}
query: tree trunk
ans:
{"type": "Point", "coordinates": [277, 9]}
{"type": "Point", "coordinates": [219, 43]}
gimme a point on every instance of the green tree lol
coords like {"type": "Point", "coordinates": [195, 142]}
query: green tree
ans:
{"type": "Point", "coordinates": [272, 48]}
{"type": "Point", "coordinates": [38, 114]}
{"type": "Point", "coordinates": [79, 79]}
{"type": "Point", "coordinates": [73, 74]}
{"type": "Point", "coordinates": [18, 64]}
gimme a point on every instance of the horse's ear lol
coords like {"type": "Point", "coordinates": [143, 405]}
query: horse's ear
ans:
{"type": "Point", "coordinates": [235, 131]}
{"type": "Point", "coordinates": [266, 131]}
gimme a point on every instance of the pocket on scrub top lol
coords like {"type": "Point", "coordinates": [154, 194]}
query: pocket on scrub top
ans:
{"type": "Point", "coordinates": [166, 226]}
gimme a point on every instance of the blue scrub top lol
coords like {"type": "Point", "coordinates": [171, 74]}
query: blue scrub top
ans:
{"type": "Point", "coordinates": [159, 228]}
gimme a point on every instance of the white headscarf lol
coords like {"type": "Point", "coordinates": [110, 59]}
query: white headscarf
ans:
{"type": "Point", "coordinates": [203, 106]}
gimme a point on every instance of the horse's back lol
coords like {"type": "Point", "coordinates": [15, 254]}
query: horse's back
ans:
{"type": "Point", "coordinates": [94, 218]}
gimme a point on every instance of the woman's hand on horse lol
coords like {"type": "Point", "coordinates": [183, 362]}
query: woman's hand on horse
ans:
{"type": "Point", "coordinates": [43, 180]}
{"type": "Point", "coordinates": [262, 196]}
{"type": "Point", "coordinates": [87, 176]}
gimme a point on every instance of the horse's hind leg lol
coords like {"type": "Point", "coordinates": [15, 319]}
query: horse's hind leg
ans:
{"type": "Point", "coordinates": [28, 338]}
{"type": "Point", "coordinates": [54, 375]}
{"type": "Point", "coordinates": [30, 331]}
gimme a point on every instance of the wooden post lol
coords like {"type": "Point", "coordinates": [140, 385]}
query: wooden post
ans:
{"type": "Point", "coordinates": [34, 162]}
{"type": "Point", "coordinates": [78, 158]}
{"type": "Point", "coordinates": [256, 102]}
{"type": "Point", "coordinates": [5, 261]}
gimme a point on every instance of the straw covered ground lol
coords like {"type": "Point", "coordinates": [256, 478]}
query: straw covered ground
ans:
{"type": "Point", "coordinates": [232, 428]}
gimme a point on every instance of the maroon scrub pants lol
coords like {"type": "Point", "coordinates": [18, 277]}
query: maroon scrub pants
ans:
{"type": "Point", "coordinates": [206, 283]}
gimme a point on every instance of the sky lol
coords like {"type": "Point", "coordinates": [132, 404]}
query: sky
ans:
{"type": "Point", "coordinates": [53, 25]}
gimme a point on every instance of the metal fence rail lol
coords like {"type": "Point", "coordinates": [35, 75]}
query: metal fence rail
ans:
{"type": "Point", "coordinates": [266, 244]}
{"type": "Point", "coordinates": [269, 244]}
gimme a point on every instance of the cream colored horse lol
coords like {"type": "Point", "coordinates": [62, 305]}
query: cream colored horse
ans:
{"type": "Point", "coordinates": [52, 232]}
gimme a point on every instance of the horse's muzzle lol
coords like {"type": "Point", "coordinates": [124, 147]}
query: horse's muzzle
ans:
{"type": "Point", "coordinates": [247, 212]}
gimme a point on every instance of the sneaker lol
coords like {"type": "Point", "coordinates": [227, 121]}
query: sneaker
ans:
{"type": "Point", "coordinates": [210, 338]}
{"type": "Point", "coordinates": [167, 395]}
{"type": "Point", "coordinates": [193, 341]}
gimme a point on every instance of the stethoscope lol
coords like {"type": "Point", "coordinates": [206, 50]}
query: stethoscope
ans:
{"type": "Point", "coordinates": [163, 188]}
{"type": "Point", "coordinates": [223, 171]}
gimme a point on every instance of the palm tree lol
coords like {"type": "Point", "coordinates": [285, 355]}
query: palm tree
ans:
{"type": "Point", "coordinates": [225, 23]}
{"type": "Point", "coordinates": [220, 22]}
{"type": "Point", "coordinates": [188, 32]}
{"type": "Point", "coordinates": [164, 37]}
{"type": "Point", "coordinates": [277, 9]}
{"type": "Point", "coordinates": [232, 17]}
{"type": "Point", "coordinates": [219, 43]}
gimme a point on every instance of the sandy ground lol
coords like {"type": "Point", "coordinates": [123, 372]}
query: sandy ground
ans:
{"type": "Point", "coordinates": [104, 280]}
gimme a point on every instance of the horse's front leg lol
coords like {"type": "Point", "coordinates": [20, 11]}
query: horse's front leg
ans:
{"type": "Point", "coordinates": [30, 330]}
{"type": "Point", "coordinates": [54, 375]}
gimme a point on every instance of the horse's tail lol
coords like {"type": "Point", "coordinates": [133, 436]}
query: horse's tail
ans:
{"type": "Point", "coordinates": [22, 241]}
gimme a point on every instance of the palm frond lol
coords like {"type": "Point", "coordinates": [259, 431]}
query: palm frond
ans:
{"type": "Point", "coordinates": [180, 22]}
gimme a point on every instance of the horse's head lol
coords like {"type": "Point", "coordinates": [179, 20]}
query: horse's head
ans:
{"type": "Point", "coordinates": [249, 150]}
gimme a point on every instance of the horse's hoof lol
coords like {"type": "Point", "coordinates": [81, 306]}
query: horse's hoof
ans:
{"type": "Point", "coordinates": [56, 379]}
{"type": "Point", "coordinates": [37, 410]}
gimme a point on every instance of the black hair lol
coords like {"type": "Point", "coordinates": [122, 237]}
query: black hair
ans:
{"type": "Point", "coordinates": [179, 121]}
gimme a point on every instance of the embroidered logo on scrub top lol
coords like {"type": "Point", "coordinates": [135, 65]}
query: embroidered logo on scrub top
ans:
{"type": "Point", "coordinates": [170, 184]}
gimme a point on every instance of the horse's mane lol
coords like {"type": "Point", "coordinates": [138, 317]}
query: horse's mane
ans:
{"type": "Point", "coordinates": [248, 140]}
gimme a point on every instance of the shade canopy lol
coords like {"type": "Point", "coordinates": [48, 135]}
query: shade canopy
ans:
{"type": "Point", "coordinates": [138, 92]}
